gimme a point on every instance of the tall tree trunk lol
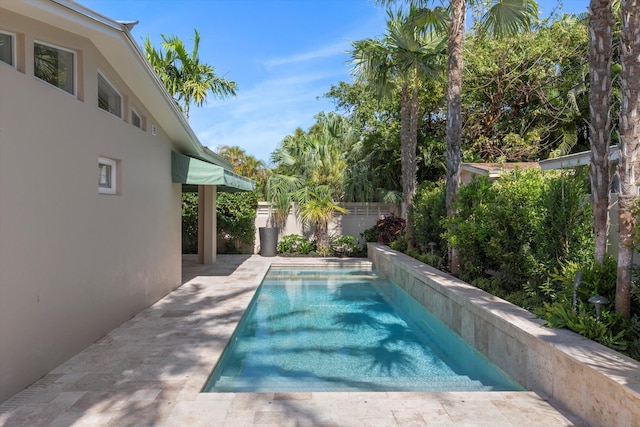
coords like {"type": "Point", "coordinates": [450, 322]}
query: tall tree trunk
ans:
{"type": "Point", "coordinates": [408, 142]}
{"type": "Point", "coordinates": [322, 236]}
{"type": "Point", "coordinates": [600, 24]}
{"type": "Point", "coordinates": [629, 148]}
{"type": "Point", "coordinates": [454, 109]}
{"type": "Point", "coordinates": [409, 170]}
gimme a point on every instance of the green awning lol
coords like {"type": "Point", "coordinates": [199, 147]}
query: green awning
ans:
{"type": "Point", "coordinates": [188, 170]}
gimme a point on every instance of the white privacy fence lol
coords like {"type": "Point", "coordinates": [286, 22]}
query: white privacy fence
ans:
{"type": "Point", "coordinates": [360, 216]}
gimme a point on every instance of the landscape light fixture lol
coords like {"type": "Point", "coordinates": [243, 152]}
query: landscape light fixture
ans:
{"type": "Point", "coordinates": [598, 301]}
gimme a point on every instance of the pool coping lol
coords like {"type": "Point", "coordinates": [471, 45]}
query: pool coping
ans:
{"type": "Point", "coordinates": [599, 385]}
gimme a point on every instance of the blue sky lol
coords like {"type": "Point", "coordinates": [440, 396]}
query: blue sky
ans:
{"type": "Point", "coordinates": [283, 55]}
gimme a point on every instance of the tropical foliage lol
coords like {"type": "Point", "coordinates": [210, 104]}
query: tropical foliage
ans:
{"type": "Point", "coordinates": [309, 172]}
{"type": "Point", "coordinates": [190, 223]}
{"type": "Point", "coordinates": [526, 97]}
{"type": "Point", "coordinates": [397, 64]}
{"type": "Point", "coordinates": [236, 218]}
{"type": "Point", "coordinates": [187, 79]}
{"type": "Point", "coordinates": [341, 246]}
{"type": "Point", "coordinates": [517, 229]}
{"type": "Point", "coordinates": [405, 126]}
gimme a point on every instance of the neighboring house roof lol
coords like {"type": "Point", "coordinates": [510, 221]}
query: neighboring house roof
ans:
{"type": "Point", "coordinates": [576, 159]}
{"type": "Point", "coordinates": [494, 170]}
{"type": "Point", "coordinates": [115, 42]}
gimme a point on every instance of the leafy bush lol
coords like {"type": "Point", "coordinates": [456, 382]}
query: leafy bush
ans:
{"type": "Point", "coordinates": [400, 244]}
{"type": "Point", "coordinates": [520, 227]}
{"type": "Point", "coordinates": [189, 223]}
{"type": "Point", "coordinates": [565, 231]}
{"type": "Point", "coordinates": [236, 216]}
{"type": "Point", "coordinates": [345, 246]}
{"type": "Point", "coordinates": [386, 230]}
{"type": "Point", "coordinates": [370, 234]}
{"type": "Point", "coordinates": [434, 260]}
{"type": "Point", "coordinates": [294, 244]}
{"type": "Point", "coordinates": [470, 230]}
{"type": "Point", "coordinates": [426, 214]}
{"type": "Point", "coordinates": [613, 330]}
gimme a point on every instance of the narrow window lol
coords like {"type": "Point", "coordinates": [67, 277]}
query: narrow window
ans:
{"type": "Point", "coordinates": [135, 119]}
{"type": "Point", "coordinates": [108, 98]}
{"type": "Point", "coordinates": [106, 176]}
{"type": "Point", "coordinates": [55, 66]}
{"type": "Point", "coordinates": [7, 50]}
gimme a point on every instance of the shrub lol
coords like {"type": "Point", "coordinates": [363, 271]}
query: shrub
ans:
{"type": "Point", "coordinates": [386, 230]}
{"type": "Point", "coordinates": [520, 227]}
{"type": "Point", "coordinates": [345, 246]}
{"type": "Point", "coordinates": [294, 244]}
{"type": "Point", "coordinates": [425, 216]}
{"type": "Point", "coordinates": [189, 223]}
{"type": "Point", "coordinates": [400, 244]}
{"type": "Point", "coordinates": [553, 302]}
{"type": "Point", "coordinates": [566, 227]}
{"type": "Point", "coordinates": [370, 234]}
{"type": "Point", "coordinates": [235, 216]}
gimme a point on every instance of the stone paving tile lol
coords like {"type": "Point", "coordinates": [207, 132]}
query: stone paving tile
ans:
{"type": "Point", "coordinates": [150, 371]}
{"type": "Point", "coordinates": [198, 414]}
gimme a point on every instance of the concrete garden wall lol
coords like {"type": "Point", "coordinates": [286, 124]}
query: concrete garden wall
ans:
{"type": "Point", "coordinates": [597, 384]}
{"type": "Point", "coordinates": [360, 216]}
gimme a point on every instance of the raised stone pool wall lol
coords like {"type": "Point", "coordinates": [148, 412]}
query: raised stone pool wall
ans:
{"type": "Point", "coordinates": [597, 384]}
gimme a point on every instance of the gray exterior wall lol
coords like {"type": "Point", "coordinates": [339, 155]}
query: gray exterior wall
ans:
{"type": "Point", "coordinates": [74, 263]}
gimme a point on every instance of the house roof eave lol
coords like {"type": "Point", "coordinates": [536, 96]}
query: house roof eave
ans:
{"type": "Point", "coordinates": [582, 158]}
{"type": "Point", "coordinates": [115, 42]}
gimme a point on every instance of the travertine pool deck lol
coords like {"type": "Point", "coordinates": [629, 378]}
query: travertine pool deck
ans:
{"type": "Point", "coordinates": [150, 370]}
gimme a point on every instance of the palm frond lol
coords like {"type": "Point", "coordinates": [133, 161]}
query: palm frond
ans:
{"type": "Point", "coordinates": [508, 17]}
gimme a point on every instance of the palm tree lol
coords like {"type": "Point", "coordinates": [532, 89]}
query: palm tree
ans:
{"type": "Point", "coordinates": [245, 165]}
{"type": "Point", "coordinates": [398, 62]}
{"type": "Point", "coordinates": [629, 149]}
{"type": "Point", "coordinates": [600, 51]}
{"type": "Point", "coordinates": [309, 172]}
{"type": "Point", "coordinates": [500, 18]}
{"type": "Point", "coordinates": [183, 75]}
{"type": "Point", "coordinates": [316, 207]}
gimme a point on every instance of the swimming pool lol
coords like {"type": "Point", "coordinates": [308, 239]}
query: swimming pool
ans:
{"type": "Point", "coordinates": [346, 329]}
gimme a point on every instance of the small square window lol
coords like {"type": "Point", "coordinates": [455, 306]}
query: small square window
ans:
{"type": "Point", "coordinates": [55, 66]}
{"type": "Point", "coordinates": [135, 119]}
{"type": "Point", "coordinates": [106, 175]}
{"type": "Point", "coordinates": [7, 49]}
{"type": "Point", "coordinates": [108, 98]}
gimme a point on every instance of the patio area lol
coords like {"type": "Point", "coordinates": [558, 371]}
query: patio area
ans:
{"type": "Point", "coordinates": [150, 370]}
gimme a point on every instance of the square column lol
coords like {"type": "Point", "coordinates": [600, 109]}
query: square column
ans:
{"type": "Point", "coordinates": [207, 226]}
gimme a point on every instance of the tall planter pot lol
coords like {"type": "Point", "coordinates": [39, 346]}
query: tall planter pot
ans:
{"type": "Point", "coordinates": [268, 240]}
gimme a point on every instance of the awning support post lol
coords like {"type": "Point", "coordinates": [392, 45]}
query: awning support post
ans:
{"type": "Point", "coordinates": [207, 227]}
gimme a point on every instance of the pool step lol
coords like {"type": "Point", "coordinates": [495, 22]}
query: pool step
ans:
{"type": "Point", "coordinates": [283, 384]}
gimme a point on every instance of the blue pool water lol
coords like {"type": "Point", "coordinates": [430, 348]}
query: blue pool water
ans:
{"type": "Point", "coordinates": [346, 329]}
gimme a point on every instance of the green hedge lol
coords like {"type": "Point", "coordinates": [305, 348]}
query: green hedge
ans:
{"type": "Point", "coordinates": [517, 229]}
{"type": "Point", "coordinates": [235, 216]}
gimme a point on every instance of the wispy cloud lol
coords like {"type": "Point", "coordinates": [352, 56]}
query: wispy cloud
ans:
{"type": "Point", "coordinates": [259, 118]}
{"type": "Point", "coordinates": [287, 95]}
{"type": "Point", "coordinates": [332, 50]}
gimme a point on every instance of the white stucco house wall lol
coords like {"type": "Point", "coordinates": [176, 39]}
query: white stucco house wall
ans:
{"type": "Point", "coordinates": [491, 170]}
{"type": "Point", "coordinates": [93, 155]}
